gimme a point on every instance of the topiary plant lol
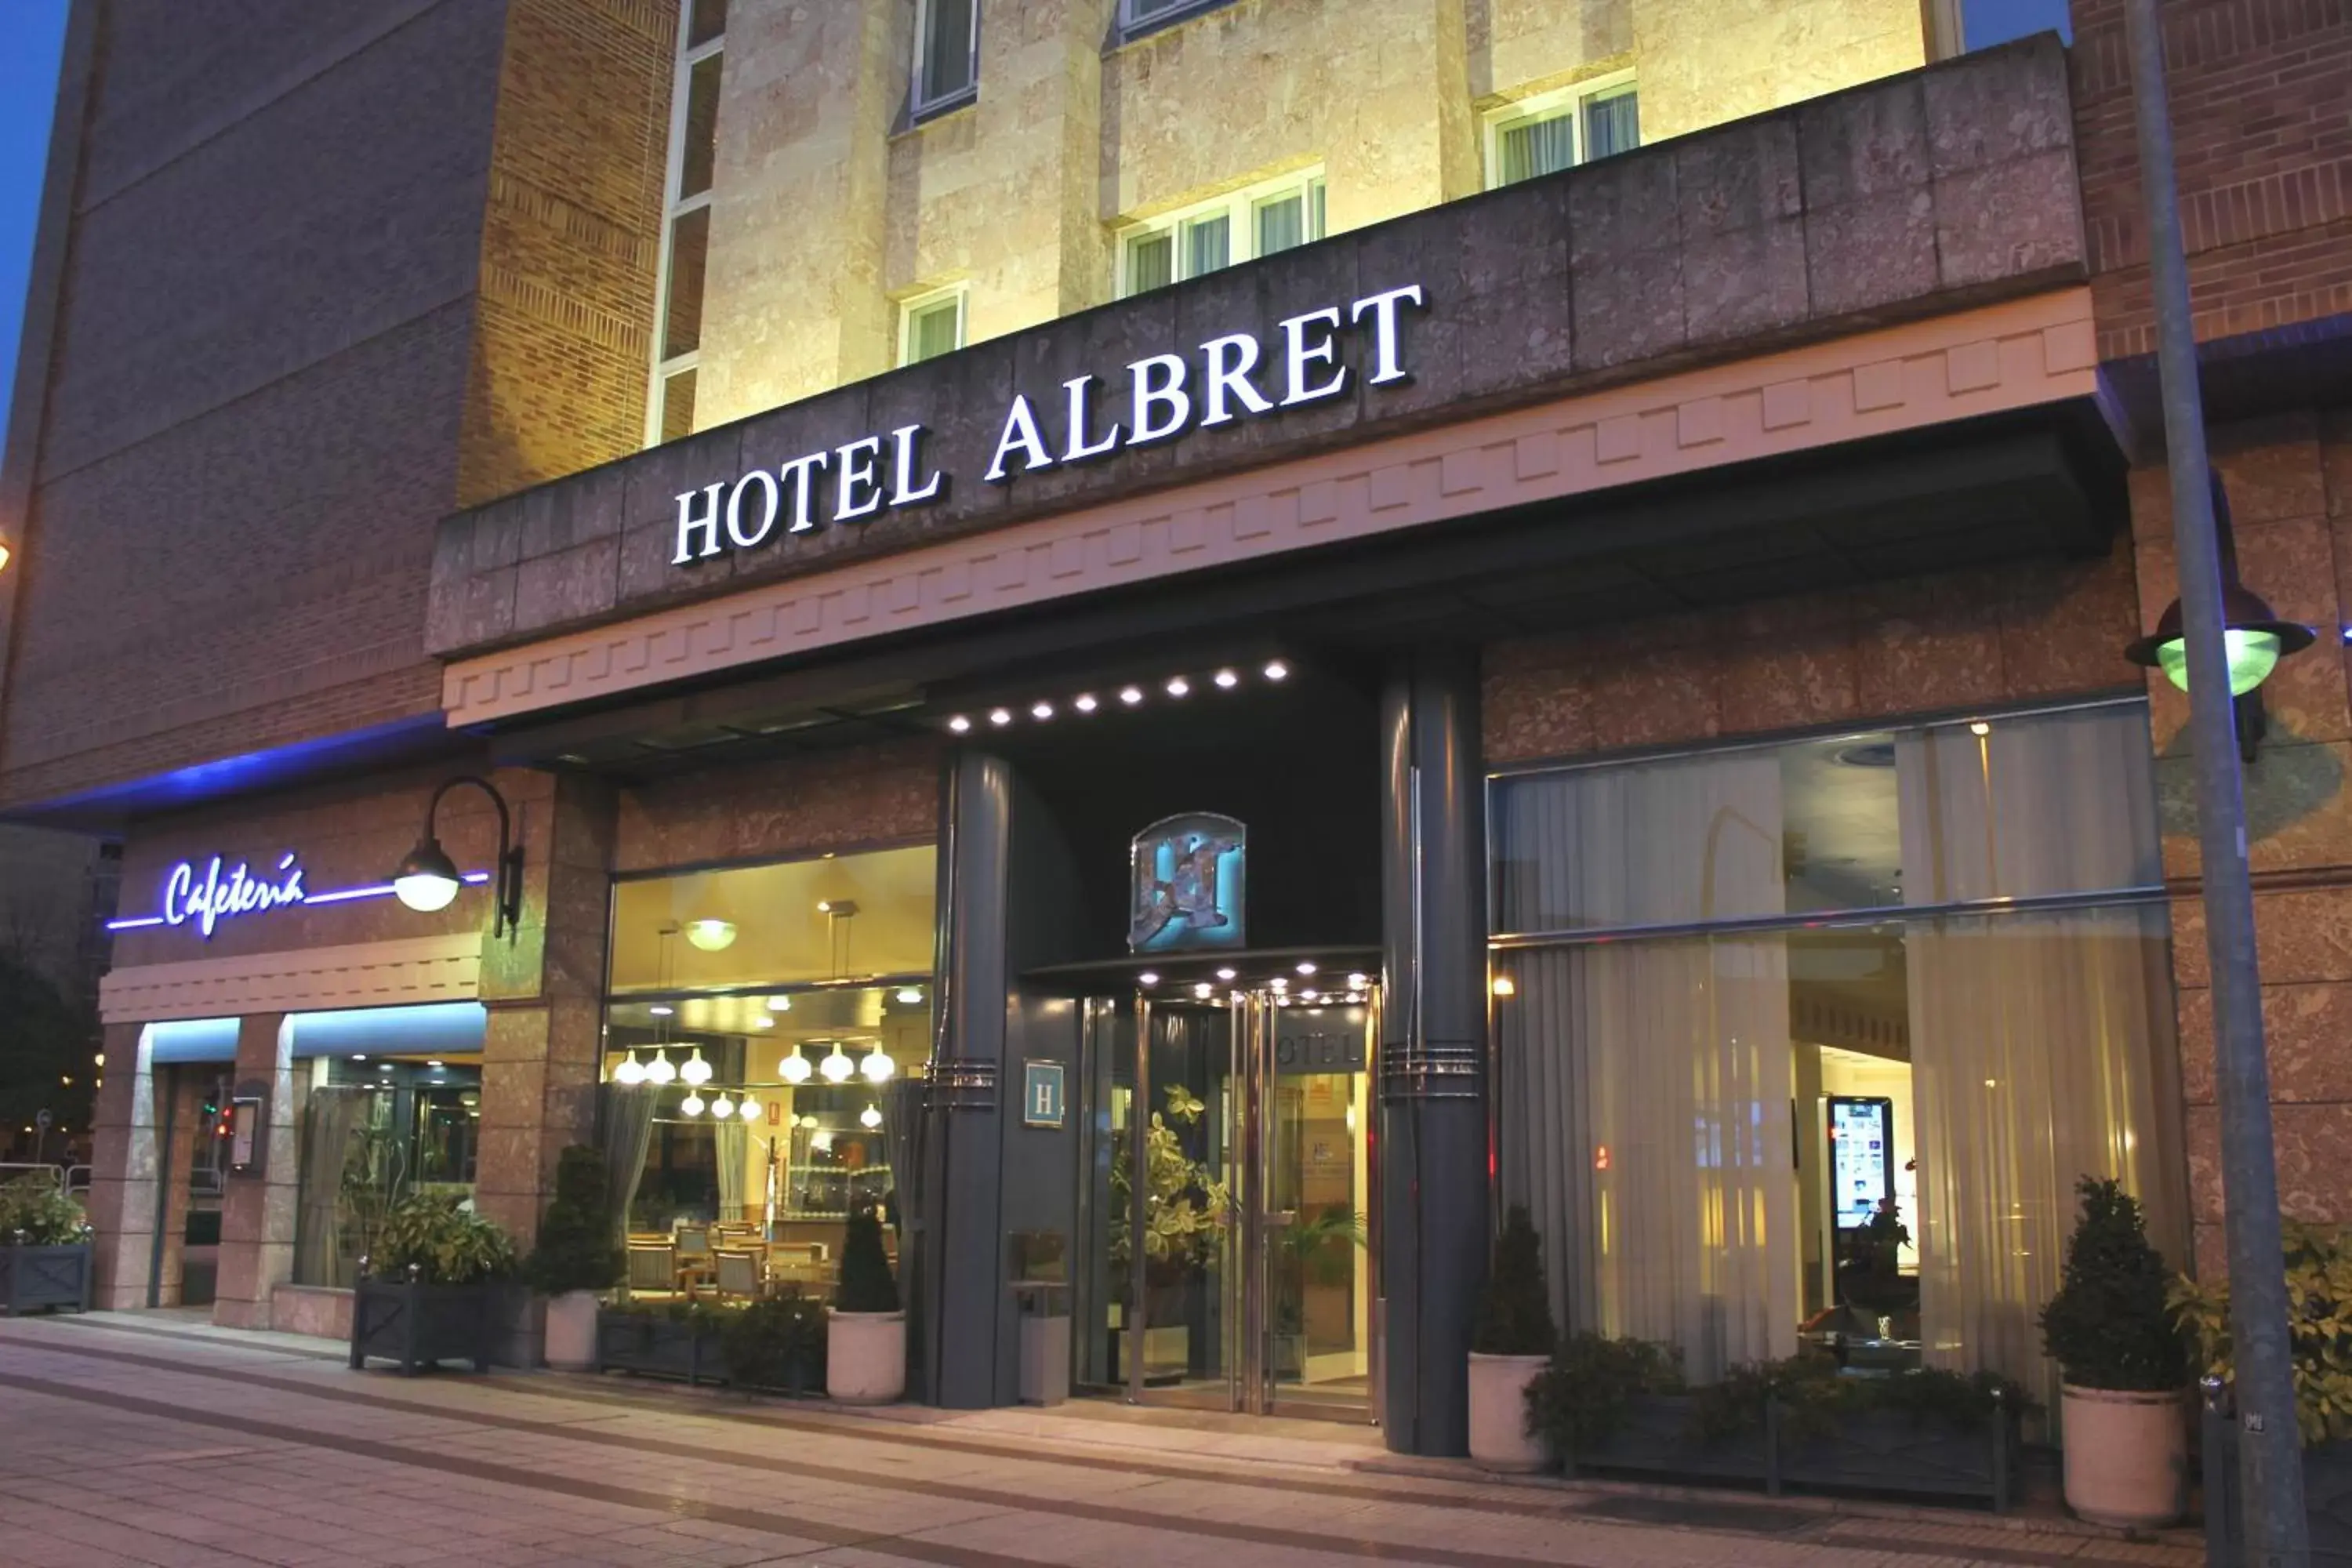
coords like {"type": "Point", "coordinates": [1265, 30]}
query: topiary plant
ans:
{"type": "Point", "coordinates": [2108, 1326]}
{"type": "Point", "coordinates": [1515, 1310]}
{"type": "Point", "coordinates": [34, 1207]}
{"type": "Point", "coordinates": [576, 1250]}
{"type": "Point", "coordinates": [867, 1284]}
{"type": "Point", "coordinates": [444, 1244]}
{"type": "Point", "coordinates": [2319, 1327]}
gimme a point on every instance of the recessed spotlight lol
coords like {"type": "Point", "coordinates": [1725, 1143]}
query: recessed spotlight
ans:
{"type": "Point", "coordinates": [1306, 966]}
{"type": "Point", "coordinates": [762, 1020]}
{"type": "Point", "coordinates": [358, 1055]}
{"type": "Point", "coordinates": [1356, 982]}
{"type": "Point", "coordinates": [1147, 978]}
{"type": "Point", "coordinates": [1204, 989]}
{"type": "Point", "coordinates": [1276, 670]}
{"type": "Point", "coordinates": [1225, 974]}
{"type": "Point", "coordinates": [1130, 695]}
{"type": "Point", "coordinates": [910, 994]}
{"type": "Point", "coordinates": [1178, 687]}
{"type": "Point", "coordinates": [1001, 716]}
{"type": "Point", "coordinates": [1228, 680]}
{"type": "Point", "coordinates": [1279, 983]}
{"type": "Point", "coordinates": [960, 724]}
{"type": "Point", "coordinates": [433, 1064]}
{"type": "Point", "coordinates": [1084, 702]}
{"type": "Point", "coordinates": [661, 1012]}
{"type": "Point", "coordinates": [1041, 711]}
{"type": "Point", "coordinates": [779, 1003]}
{"type": "Point", "coordinates": [1311, 994]}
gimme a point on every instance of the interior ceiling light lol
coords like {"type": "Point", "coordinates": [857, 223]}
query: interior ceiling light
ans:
{"type": "Point", "coordinates": [710, 936]}
{"type": "Point", "coordinates": [696, 1072]}
{"type": "Point", "coordinates": [1147, 978]}
{"type": "Point", "coordinates": [762, 1020]}
{"type": "Point", "coordinates": [1130, 695]}
{"type": "Point", "coordinates": [661, 1070]}
{"type": "Point", "coordinates": [630, 1071]}
{"type": "Point", "coordinates": [837, 1067]}
{"type": "Point", "coordinates": [878, 1066]}
{"type": "Point", "coordinates": [779, 1003]}
{"type": "Point", "coordinates": [1227, 679]}
{"type": "Point", "coordinates": [659, 1011]}
{"type": "Point", "coordinates": [723, 1107]}
{"type": "Point", "coordinates": [1225, 974]}
{"type": "Point", "coordinates": [871, 1117]}
{"type": "Point", "coordinates": [796, 1068]}
{"type": "Point", "coordinates": [691, 1105]}
{"type": "Point", "coordinates": [1505, 986]}
{"type": "Point", "coordinates": [910, 994]}
{"type": "Point", "coordinates": [749, 1109]}
{"type": "Point", "coordinates": [1084, 702]}
{"type": "Point", "coordinates": [1204, 989]}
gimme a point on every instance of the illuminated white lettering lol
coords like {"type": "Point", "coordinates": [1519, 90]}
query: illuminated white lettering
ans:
{"type": "Point", "coordinates": [1020, 435]}
{"type": "Point", "coordinates": [904, 440]}
{"type": "Point", "coordinates": [1159, 383]}
{"type": "Point", "coordinates": [1081, 419]}
{"type": "Point", "coordinates": [1323, 350]}
{"type": "Point", "coordinates": [1230, 362]}
{"type": "Point", "coordinates": [800, 474]}
{"type": "Point", "coordinates": [1388, 364]}
{"type": "Point", "coordinates": [773, 499]}
{"type": "Point", "coordinates": [214, 898]}
{"type": "Point", "coordinates": [689, 525]}
{"type": "Point", "coordinates": [856, 468]}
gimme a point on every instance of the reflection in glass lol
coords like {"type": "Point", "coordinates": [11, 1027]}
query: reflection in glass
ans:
{"type": "Point", "coordinates": [373, 1132]}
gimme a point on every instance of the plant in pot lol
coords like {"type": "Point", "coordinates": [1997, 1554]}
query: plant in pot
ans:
{"type": "Point", "coordinates": [1591, 1390]}
{"type": "Point", "coordinates": [1318, 1253]}
{"type": "Point", "coordinates": [2113, 1336]}
{"type": "Point", "coordinates": [865, 1337]}
{"type": "Point", "coordinates": [777, 1345]}
{"type": "Point", "coordinates": [1510, 1345]}
{"type": "Point", "coordinates": [1871, 1279]}
{"type": "Point", "coordinates": [44, 1248]}
{"type": "Point", "coordinates": [1186, 1210]}
{"type": "Point", "coordinates": [429, 1291]}
{"type": "Point", "coordinates": [577, 1257]}
{"type": "Point", "coordinates": [2318, 1264]}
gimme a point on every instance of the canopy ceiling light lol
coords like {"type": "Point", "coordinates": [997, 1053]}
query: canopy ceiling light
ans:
{"type": "Point", "coordinates": [427, 880]}
{"type": "Point", "coordinates": [2253, 637]}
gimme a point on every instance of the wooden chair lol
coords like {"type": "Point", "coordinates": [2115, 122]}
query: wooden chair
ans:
{"type": "Point", "coordinates": [739, 1274]}
{"type": "Point", "coordinates": [653, 1269]}
{"type": "Point", "coordinates": [693, 1256]}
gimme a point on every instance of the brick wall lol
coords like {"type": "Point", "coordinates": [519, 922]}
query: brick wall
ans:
{"type": "Point", "coordinates": [2262, 110]}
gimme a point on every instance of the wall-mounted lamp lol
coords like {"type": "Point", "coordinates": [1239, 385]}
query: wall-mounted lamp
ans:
{"type": "Point", "coordinates": [427, 878]}
{"type": "Point", "coordinates": [2253, 638]}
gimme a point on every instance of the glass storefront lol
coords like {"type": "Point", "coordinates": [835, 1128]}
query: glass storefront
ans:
{"type": "Point", "coordinates": [764, 1028]}
{"type": "Point", "coordinates": [1809, 1042]}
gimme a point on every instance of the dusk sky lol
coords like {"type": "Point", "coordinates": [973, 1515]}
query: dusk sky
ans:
{"type": "Point", "coordinates": [31, 33]}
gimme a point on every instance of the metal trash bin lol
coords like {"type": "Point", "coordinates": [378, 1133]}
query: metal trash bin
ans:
{"type": "Point", "coordinates": [1043, 1308]}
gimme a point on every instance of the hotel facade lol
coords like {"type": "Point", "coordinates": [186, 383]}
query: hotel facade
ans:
{"type": "Point", "coordinates": [1189, 645]}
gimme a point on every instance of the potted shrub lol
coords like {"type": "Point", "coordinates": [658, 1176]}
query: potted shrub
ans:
{"type": "Point", "coordinates": [1610, 1401]}
{"type": "Point", "coordinates": [1510, 1344]}
{"type": "Point", "coordinates": [866, 1338]}
{"type": "Point", "coordinates": [429, 1291]}
{"type": "Point", "coordinates": [2318, 1261]}
{"type": "Point", "coordinates": [778, 1344]}
{"type": "Point", "coordinates": [2124, 1368]}
{"type": "Point", "coordinates": [576, 1257]}
{"type": "Point", "coordinates": [44, 1248]}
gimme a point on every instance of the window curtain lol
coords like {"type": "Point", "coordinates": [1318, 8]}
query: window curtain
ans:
{"type": "Point", "coordinates": [2042, 1043]}
{"type": "Point", "coordinates": [1534, 147]}
{"type": "Point", "coordinates": [328, 1122]}
{"type": "Point", "coordinates": [1612, 125]}
{"type": "Point", "coordinates": [732, 1147]}
{"type": "Point", "coordinates": [1646, 1086]}
{"type": "Point", "coordinates": [625, 1130]}
{"type": "Point", "coordinates": [947, 49]}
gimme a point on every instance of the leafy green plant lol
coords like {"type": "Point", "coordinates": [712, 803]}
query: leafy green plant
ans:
{"type": "Point", "coordinates": [2318, 1264]}
{"type": "Point", "coordinates": [775, 1343]}
{"type": "Point", "coordinates": [867, 1284]}
{"type": "Point", "coordinates": [1185, 1207]}
{"type": "Point", "coordinates": [1581, 1400]}
{"type": "Point", "coordinates": [1815, 1397]}
{"type": "Point", "coordinates": [35, 1205]}
{"type": "Point", "coordinates": [445, 1244]}
{"type": "Point", "coordinates": [1514, 1309]}
{"type": "Point", "coordinates": [576, 1250]}
{"type": "Point", "coordinates": [2108, 1326]}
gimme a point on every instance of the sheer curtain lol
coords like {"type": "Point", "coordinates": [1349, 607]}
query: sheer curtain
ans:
{"type": "Point", "coordinates": [2040, 1042]}
{"type": "Point", "coordinates": [733, 1148]}
{"type": "Point", "coordinates": [328, 1122]}
{"type": "Point", "coordinates": [1646, 1084]}
{"type": "Point", "coordinates": [625, 1129]}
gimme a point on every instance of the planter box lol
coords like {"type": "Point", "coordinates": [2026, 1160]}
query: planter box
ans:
{"type": "Point", "coordinates": [39, 1278]}
{"type": "Point", "coordinates": [658, 1346]}
{"type": "Point", "coordinates": [1874, 1451]}
{"type": "Point", "coordinates": [418, 1326]}
{"type": "Point", "coordinates": [2326, 1493]}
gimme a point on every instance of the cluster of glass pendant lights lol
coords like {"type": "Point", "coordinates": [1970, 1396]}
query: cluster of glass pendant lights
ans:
{"type": "Point", "coordinates": [836, 1069]}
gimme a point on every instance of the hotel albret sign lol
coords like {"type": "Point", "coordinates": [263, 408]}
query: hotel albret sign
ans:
{"type": "Point", "coordinates": [1226, 379]}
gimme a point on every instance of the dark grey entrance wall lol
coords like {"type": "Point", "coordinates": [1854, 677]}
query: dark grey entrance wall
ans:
{"type": "Point", "coordinates": [1940, 188]}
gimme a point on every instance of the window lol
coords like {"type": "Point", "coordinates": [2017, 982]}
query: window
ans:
{"type": "Point", "coordinates": [685, 234]}
{"type": "Point", "coordinates": [931, 326]}
{"type": "Point", "coordinates": [1137, 16]}
{"type": "Point", "coordinates": [1560, 130]}
{"type": "Point", "coordinates": [1763, 995]}
{"type": "Point", "coordinates": [947, 54]}
{"type": "Point", "coordinates": [1243, 226]}
{"type": "Point", "coordinates": [762, 1025]}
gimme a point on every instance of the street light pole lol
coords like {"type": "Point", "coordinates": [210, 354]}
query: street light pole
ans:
{"type": "Point", "coordinates": [2270, 1459]}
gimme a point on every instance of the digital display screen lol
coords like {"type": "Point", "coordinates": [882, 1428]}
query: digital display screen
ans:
{"type": "Point", "coordinates": [1861, 1149]}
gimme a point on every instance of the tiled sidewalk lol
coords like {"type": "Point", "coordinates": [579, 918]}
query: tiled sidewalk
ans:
{"type": "Point", "coordinates": [132, 1442]}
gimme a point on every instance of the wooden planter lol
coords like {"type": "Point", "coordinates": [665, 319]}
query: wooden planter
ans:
{"type": "Point", "coordinates": [418, 1326]}
{"type": "Point", "coordinates": [1870, 1451]}
{"type": "Point", "coordinates": [2327, 1491]}
{"type": "Point", "coordinates": [658, 1346]}
{"type": "Point", "coordinates": [40, 1278]}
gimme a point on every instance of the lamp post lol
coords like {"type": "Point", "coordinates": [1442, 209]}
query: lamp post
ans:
{"type": "Point", "coordinates": [2270, 1463]}
{"type": "Point", "coordinates": [427, 880]}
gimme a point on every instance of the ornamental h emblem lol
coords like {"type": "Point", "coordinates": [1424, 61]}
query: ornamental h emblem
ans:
{"type": "Point", "coordinates": [1188, 874]}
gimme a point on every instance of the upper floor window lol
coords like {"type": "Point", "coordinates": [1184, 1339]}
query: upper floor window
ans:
{"type": "Point", "coordinates": [1136, 14]}
{"type": "Point", "coordinates": [1558, 129]}
{"type": "Point", "coordinates": [947, 53]}
{"type": "Point", "coordinates": [1241, 227]}
{"type": "Point", "coordinates": [931, 325]}
{"type": "Point", "coordinates": [685, 231]}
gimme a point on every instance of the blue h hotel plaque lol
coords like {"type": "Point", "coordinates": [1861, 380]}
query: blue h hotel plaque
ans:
{"type": "Point", "coordinates": [1188, 890]}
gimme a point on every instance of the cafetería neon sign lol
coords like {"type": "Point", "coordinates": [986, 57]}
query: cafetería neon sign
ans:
{"type": "Point", "coordinates": [1227, 379]}
{"type": "Point", "coordinates": [220, 891]}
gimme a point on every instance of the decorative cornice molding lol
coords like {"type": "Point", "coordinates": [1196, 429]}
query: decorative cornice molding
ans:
{"type": "Point", "coordinates": [362, 975]}
{"type": "Point", "coordinates": [2001, 357]}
